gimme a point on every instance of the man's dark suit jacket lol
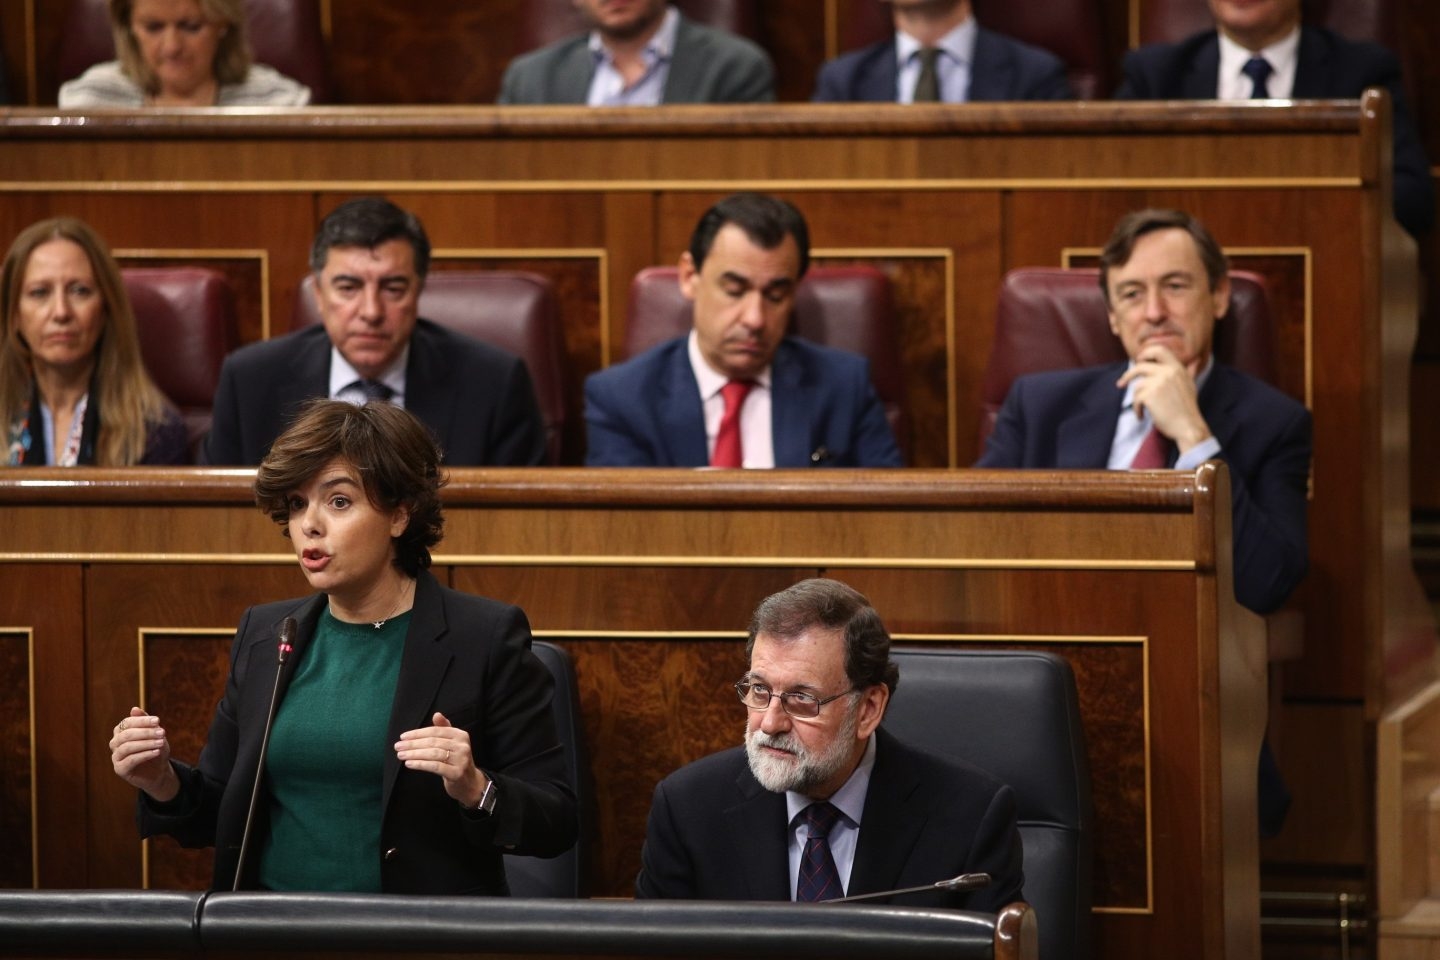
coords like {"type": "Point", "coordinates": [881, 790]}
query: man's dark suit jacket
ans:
{"type": "Point", "coordinates": [476, 399]}
{"type": "Point", "coordinates": [1328, 67]}
{"type": "Point", "coordinates": [1004, 69]}
{"type": "Point", "coordinates": [707, 66]}
{"type": "Point", "coordinates": [716, 834]}
{"type": "Point", "coordinates": [646, 412]}
{"type": "Point", "coordinates": [465, 656]}
{"type": "Point", "coordinates": [1066, 419]}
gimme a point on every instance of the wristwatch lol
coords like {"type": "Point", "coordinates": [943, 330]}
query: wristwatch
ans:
{"type": "Point", "coordinates": [487, 799]}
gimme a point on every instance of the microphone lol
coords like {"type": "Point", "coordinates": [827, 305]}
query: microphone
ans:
{"type": "Point", "coordinates": [285, 645]}
{"type": "Point", "coordinates": [965, 881]}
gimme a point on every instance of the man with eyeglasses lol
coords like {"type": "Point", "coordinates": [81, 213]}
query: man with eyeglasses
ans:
{"type": "Point", "coordinates": [821, 802]}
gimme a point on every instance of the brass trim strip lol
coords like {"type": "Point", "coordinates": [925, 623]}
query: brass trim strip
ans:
{"type": "Point", "coordinates": [647, 186]}
{"type": "Point", "coordinates": [586, 560]}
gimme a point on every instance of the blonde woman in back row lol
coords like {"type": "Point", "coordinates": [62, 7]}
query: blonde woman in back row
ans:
{"type": "Point", "coordinates": [181, 53]}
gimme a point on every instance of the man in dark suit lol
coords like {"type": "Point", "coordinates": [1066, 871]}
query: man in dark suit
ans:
{"type": "Point", "coordinates": [939, 53]}
{"type": "Point", "coordinates": [1261, 50]}
{"type": "Point", "coordinates": [370, 259]}
{"type": "Point", "coordinates": [641, 53]}
{"type": "Point", "coordinates": [1166, 282]}
{"type": "Point", "coordinates": [737, 391]}
{"type": "Point", "coordinates": [821, 801]}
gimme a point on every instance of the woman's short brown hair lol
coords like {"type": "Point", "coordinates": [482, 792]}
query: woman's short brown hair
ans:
{"type": "Point", "coordinates": [232, 55]}
{"type": "Point", "coordinates": [396, 457]}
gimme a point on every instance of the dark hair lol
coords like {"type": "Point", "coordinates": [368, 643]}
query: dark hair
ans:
{"type": "Point", "coordinates": [397, 459]}
{"type": "Point", "coordinates": [766, 220]}
{"type": "Point", "coordinates": [1137, 223]}
{"type": "Point", "coordinates": [834, 606]}
{"type": "Point", "coordinates": [368, 222]}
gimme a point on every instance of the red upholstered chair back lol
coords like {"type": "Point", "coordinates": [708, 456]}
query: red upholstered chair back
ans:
{"type": "Point", "coordinates": [1073, 30]}
{"type": "Point", "coordinates": [187, 323]}
{"type": "Point", "coordinates": [1053, 319]}
{"type": "Point", "coordinates": [512, 310]}
{"type": "Point", "coordinates": [284, 34]}
{"type": "Point", "coordinates": [545, 21]}
{"type": "Point", "coordinates": [1171, 20]}
{"type": "Point", "coordinates": [849, 308]}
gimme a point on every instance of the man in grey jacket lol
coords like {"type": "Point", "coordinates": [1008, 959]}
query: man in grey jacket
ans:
{"type": "Point", "coordinates": [641, 53]}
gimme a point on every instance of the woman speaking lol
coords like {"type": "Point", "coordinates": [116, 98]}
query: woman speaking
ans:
{"type": "Point", "coordinates": [414, 741]}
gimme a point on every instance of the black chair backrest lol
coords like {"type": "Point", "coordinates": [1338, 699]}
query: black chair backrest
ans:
{"type": "Point", "coordinates": [1015, 714]}
{"type": "Point", "coordinates": [567, 874]}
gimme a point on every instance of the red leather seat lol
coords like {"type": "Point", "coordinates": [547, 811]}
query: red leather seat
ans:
{"type": "Point", "coordinates": [1165, 21]}
{"type": "Point", "coordinates": [545, 21]}
{"type": "Point", "coordinates": [284, 34]}
{"type": "Point", "coordinates": [1051, 319]}
{"type": "Point", "coordinates": [1073, 30]}
{"type": "Point", "coordinates": [511, 310]}
{"type": "Point", "coordinates": [849, 308]}
{"type": "Point", "coordinates": [187, 322]}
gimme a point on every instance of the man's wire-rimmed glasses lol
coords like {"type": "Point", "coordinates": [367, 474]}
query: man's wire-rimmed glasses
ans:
{"type": "Point", "coordinates": [801, 706]}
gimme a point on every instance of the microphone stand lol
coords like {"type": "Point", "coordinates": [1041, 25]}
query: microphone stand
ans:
{"type": "Point", "coordinates": [286, 644]}
{"type": "Point", "coordinates": [966, 881]}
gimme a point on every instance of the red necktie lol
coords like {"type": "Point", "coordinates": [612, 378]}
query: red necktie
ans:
{"type": "Point", "coordinates": [1152, 452]}
{"type": "Point", "coordinates": [727, 441]}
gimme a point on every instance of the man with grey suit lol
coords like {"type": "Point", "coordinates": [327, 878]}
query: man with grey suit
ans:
{"type": "Point", "coordinates": [641, 53]}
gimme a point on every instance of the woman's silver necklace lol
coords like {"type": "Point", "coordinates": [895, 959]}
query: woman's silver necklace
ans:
{"type": "Point", "coordinates": [377, 624]}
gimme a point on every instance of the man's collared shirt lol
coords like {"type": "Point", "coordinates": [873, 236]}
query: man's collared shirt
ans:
{"type": "Point", "coordinates": [1282, 56]}
{"type": "Point", "coordinates": [957, 53]}
{"type": "Point", "coordinates": [345, 380]}
{"type": "Point", "coordinates": [850, 801]}
{"type": "Point", "coordinates": [757, 442]}
{"type": "Point", "coordinates": [607, 85]}
{"type": "Point", "coordinates": [1130, 430]}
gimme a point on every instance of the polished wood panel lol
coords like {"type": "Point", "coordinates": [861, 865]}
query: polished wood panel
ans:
{"type": "Point", "coordinates": [17, 783]}
{"type": "Point", "coordinates": [648, 579]}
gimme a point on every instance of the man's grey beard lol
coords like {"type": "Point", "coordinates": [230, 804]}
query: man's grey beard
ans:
{"type": "Point", "coordinates": [803, 771]}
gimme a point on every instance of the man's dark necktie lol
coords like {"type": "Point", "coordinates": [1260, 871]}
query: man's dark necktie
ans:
{"type": "Point", "coordinates": [819, 879]}
{"type": "Point", "coordinates": [1258, 69]}
{"type": "Point", "coordinates": [1153, 452]}
{"type": "Point", "coordinates": [375, 390]}
{"type": "Point", "coordinates": [927, 87]}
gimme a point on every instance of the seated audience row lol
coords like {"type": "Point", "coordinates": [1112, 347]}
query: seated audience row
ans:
{"type": "Point", "coordinates": [646, 52]}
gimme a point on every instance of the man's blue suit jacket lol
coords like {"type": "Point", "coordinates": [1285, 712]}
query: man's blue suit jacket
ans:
{"type": "Point", "coordinates": [646, 412]}
{"type": "Point", "coordinates": [1065, 419]}
{"type": "Point", "coordinates": [1004, 69]}
{"type": "Point", "coordinates": [1328, 67]}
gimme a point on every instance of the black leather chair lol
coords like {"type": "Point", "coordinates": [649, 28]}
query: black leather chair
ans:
{"type": "Point", "coordinates": [567, 874]}
{"type": "Point", "coordinates": [377, 925]}
{"type": "Point", "coordinates": [105, 923]}
{"type": "Point", "coordinates": [1015, 713]}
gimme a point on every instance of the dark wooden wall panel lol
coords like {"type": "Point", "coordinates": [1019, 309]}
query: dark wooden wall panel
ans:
{"type": "Point", "coordinates": [17, 784]}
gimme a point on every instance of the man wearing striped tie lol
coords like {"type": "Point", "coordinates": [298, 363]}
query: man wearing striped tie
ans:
{"type": "Point", "coordinates": [821, 802]}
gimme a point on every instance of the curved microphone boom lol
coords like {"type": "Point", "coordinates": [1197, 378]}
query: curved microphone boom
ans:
{"type": "Point", "coordinates": [966, 881]}
{"type": "Point", "coordinates": [285, 644]}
